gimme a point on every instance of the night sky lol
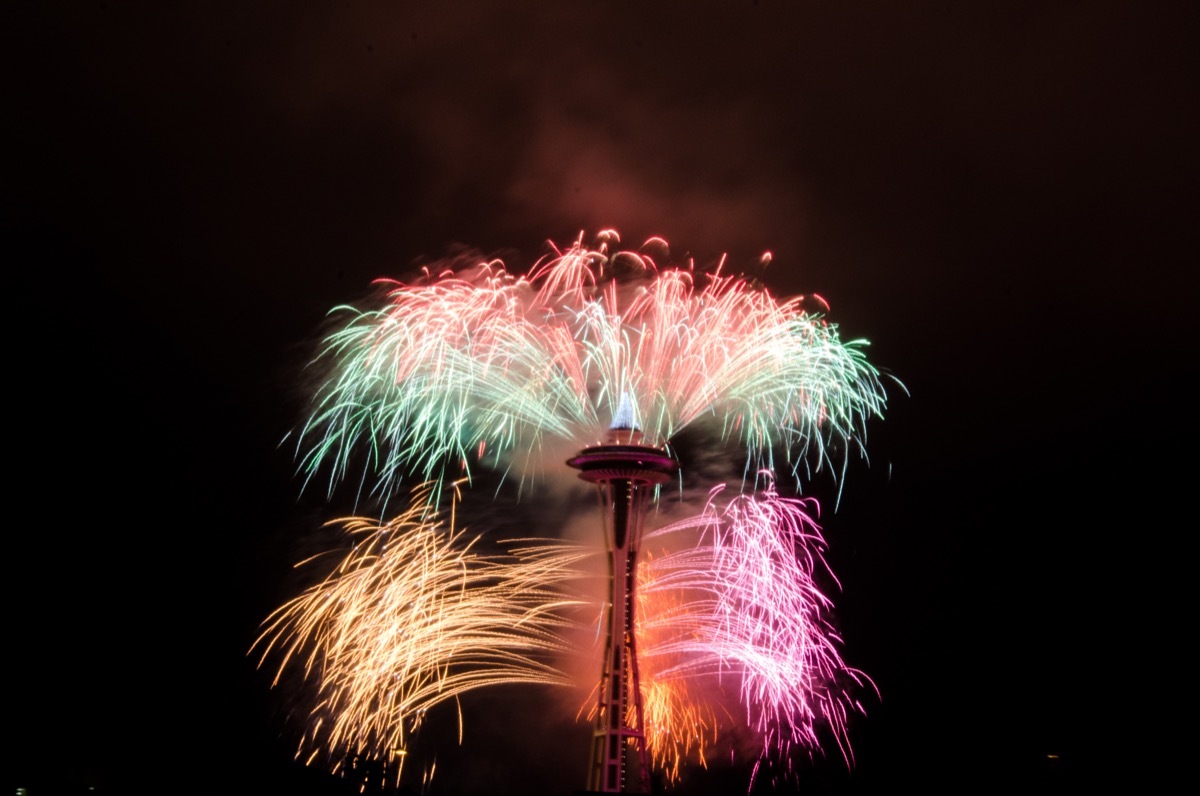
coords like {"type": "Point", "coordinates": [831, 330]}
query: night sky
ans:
{"type": "Point", "coordinates": [1001, 197]}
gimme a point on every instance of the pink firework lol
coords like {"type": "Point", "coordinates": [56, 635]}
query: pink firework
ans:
{"type": "Point", "coordinates": [739, 609]}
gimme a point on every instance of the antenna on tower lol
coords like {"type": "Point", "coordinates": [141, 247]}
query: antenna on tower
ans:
{"type": "Point", "coordinates": [624, 428]}
{"type": "Point", "coordinates": [626, 415]}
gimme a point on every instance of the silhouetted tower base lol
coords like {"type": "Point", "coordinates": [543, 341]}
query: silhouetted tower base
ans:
{"type": "Point", "coordinates": [627, 475]}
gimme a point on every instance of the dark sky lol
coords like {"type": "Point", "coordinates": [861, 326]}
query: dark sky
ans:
{"type": "Point", "coordinates": [999, 196]}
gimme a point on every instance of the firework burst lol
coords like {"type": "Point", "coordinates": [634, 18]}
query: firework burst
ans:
{"type": "Point", "coordinates": [478, 365]}
{"type": "Point", "coordinates": [414, 616]}
{"type": "Point", "coordinates": [737, 607]}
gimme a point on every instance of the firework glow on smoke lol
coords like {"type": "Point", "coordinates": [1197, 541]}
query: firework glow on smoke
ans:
{"type": "Point", "coordinates": [471, 368]}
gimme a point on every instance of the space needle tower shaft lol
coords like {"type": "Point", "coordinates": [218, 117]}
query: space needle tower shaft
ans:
{"type": "Point", "coordinates": [627, 474]}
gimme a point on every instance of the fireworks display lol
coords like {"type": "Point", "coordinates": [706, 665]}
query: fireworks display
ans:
{"type": "Point", "coordinates": [472, 367]}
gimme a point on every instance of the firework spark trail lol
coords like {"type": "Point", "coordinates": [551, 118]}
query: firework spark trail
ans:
{"type": "Point", "coordinates": [742, 606]}
{"type": "Point", "coordinates": [446, 367]}
{"type": "Point", "coordinates": [479, 363]}
{"type": "Point", "coordinates": [413, 617]}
